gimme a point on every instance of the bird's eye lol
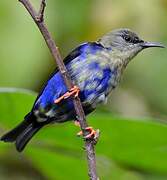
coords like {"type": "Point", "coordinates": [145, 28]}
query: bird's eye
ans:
{"type": "Point", "coordinates": [127, 38]}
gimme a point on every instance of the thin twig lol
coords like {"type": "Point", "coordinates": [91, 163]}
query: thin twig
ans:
{"type": "Point", "coordinates": [39, 20]}
{"type": "Point", "coordinates": [40, 17]}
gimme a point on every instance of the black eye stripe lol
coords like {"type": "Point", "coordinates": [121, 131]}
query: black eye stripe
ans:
{"type": "Point", "coordinates": [131, 39]}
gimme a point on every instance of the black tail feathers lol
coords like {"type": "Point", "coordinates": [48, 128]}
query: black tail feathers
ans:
{"type": "Point", "coordinates": [22, 134]}
{"type": "Point", "coordinates": [26, 135]}
{"type": "Point", "coordinates": [14, 133]}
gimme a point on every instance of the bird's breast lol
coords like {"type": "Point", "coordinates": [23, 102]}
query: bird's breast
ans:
{"type": "Point", "coordinates": [94, 75]}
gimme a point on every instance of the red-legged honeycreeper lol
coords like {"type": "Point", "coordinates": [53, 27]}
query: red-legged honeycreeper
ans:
{"type": "Point", "coordinates": [95, 68]}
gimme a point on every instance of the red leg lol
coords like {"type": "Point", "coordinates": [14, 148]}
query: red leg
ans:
{"type": "Point", "coordinates": [72, 92]}
{"type": "Point", "coordinates": [92, 133]}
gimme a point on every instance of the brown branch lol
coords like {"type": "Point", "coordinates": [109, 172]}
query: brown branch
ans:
{"type": "Point", "coordinates": [39, 20]}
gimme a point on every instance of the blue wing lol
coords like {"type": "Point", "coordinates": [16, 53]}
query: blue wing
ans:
{"type": "Point", "coordinates": [87, 72]}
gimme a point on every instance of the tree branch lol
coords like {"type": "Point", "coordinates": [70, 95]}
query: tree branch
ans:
{"type": "Point", "coordinates": [39, 20]}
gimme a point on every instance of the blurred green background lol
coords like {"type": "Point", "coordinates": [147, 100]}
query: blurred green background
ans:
{"type": "Point", "coordinates": [133, 144]}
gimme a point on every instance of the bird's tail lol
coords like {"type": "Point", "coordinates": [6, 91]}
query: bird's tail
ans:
{"type": "Point", "coordinates": [23, 133]}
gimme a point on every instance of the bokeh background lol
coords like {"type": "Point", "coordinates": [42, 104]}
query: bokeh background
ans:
{"type": "Point", "coordinates": [25, 62]}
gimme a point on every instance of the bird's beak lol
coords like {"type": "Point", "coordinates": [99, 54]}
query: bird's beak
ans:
{"type": "Point", "coordinates": [152, 44]}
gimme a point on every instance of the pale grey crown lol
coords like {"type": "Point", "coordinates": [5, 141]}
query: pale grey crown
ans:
{"type": "Point", "coordinates": [122, 39]}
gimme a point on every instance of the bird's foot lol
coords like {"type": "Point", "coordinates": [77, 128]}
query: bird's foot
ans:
{"type": "Point", "coordinates": [76, 122]}
{"type": "Point", "coordinates": [92, 133]}
{"type": "Point", "coordinates": [72, 92]}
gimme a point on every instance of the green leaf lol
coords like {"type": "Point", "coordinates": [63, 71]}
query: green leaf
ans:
{"type": "Point", "coordinates": [139, 145]}
{"type": "Point", "coordinates": [58, 153]}
{"type": "Point", "coordinates": [136, 144]}
{"type": "Point", "coordinates": [14, 105]}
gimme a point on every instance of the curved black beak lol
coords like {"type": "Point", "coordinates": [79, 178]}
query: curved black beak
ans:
{"type": "Point", "coordinates": [152, 44]}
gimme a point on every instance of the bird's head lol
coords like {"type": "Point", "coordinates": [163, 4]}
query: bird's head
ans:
{"type": "Point", "coordinates": [126, 43]}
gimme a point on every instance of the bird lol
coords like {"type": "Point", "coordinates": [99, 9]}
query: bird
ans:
{"type": "Point", "coordinates": [95, 69]}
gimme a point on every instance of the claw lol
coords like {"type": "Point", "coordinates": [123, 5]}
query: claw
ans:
{"type": "Point", "coordinates": [92, 133]}
{"type": "Point", "coordinates": [80, 133]}
{"type": "Point", "coordinates": [72, 92]}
